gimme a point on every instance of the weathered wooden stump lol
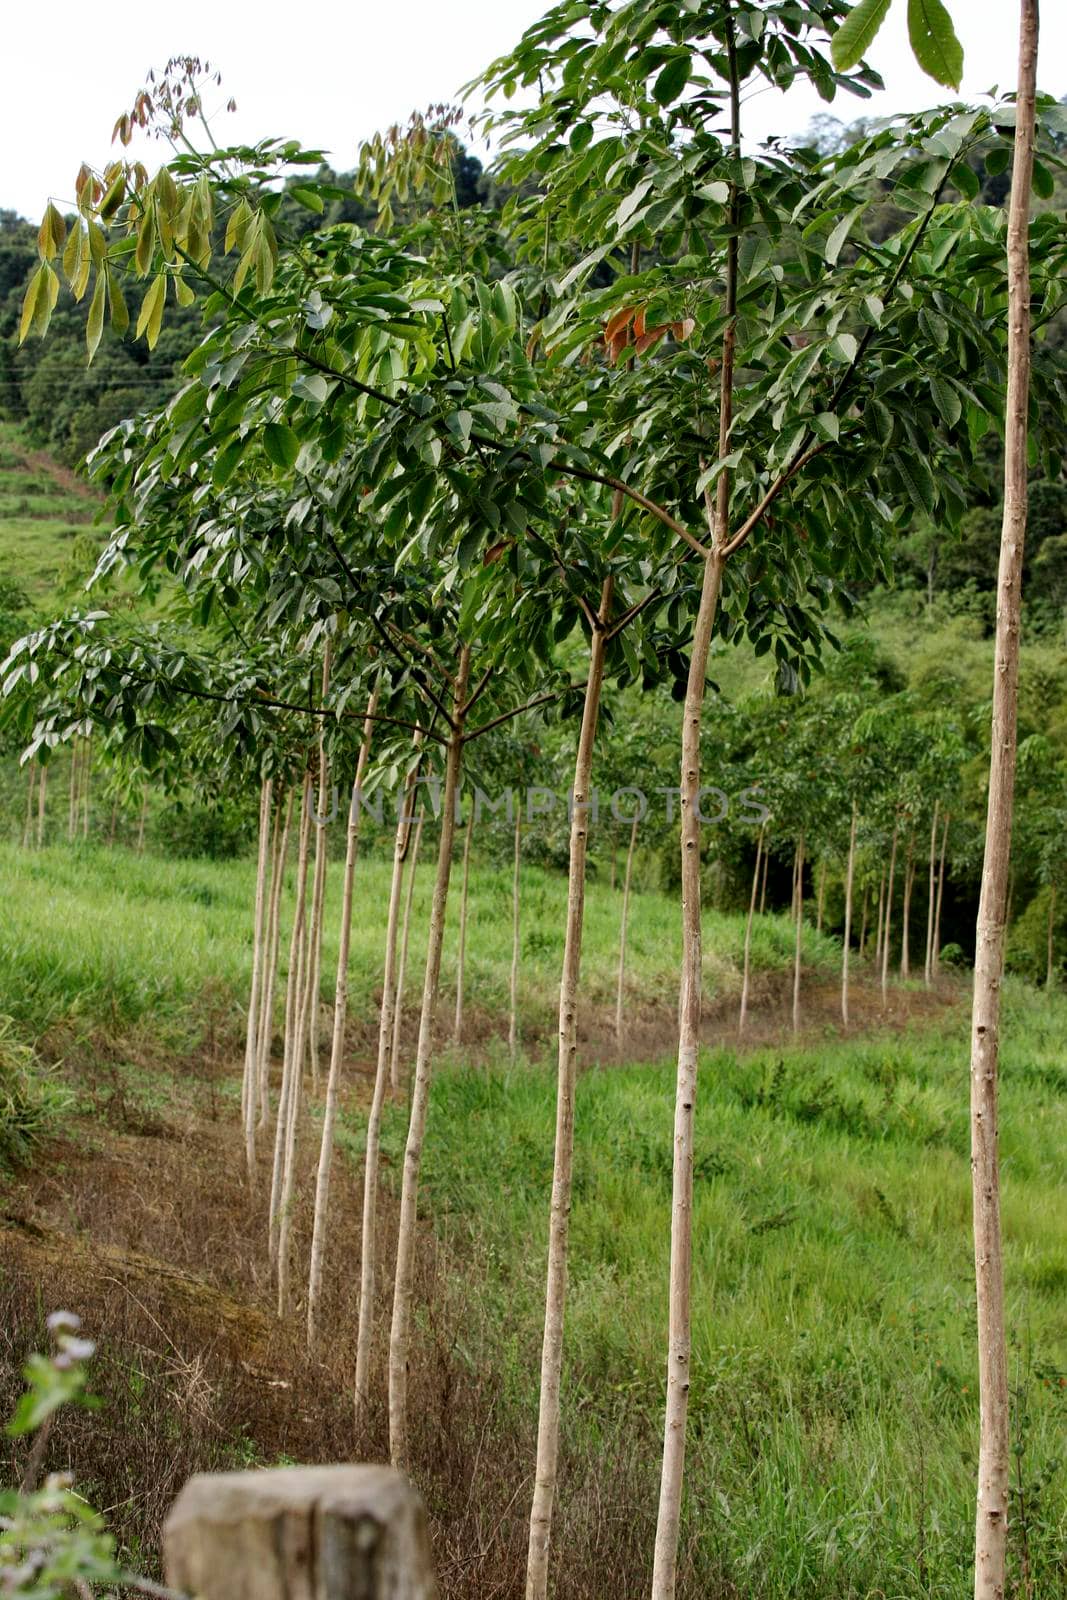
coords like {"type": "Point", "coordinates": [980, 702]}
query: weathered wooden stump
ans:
{"type": "Point", "coordinates": [299, 1533]}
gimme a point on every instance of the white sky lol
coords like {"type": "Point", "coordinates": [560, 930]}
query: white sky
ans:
{"type": "Point", "coordinates": [330, 73]}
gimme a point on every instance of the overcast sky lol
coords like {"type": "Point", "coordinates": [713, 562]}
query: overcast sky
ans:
{"type": "Point", "coordinates": [329, 74]}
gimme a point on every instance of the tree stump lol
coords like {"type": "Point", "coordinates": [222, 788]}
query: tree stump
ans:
{"type": "Point", "coordinates": [299, 1533]}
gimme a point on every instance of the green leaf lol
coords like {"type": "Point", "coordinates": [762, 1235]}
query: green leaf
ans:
{"type": "Point", "coordinates": [840, 233]}
{"type": "Point", "coordinates": [1044, 183]}
{"type": "Point", "coordinates": [918, 481]}
{"type": "Point", "coordinates": [281, 444]}
{"type": "Point", "coordinates": [120, 316]}
{"type": "Point", "coordinates": [94, 327]}
{"type": "Point", "coordinates": [946, 400]}
{"type": "Point", "coordinates": [227, 460]}
{"type": "Point", "coordinates": [827, 426]}
{"type": "Point", "coordinates": [966, 180]}
{"type": "Point", "coordinates": [996, 161]}
{"type": "Point", "coordinates": [308, 198]}
{"type": "Point", "coordinates": [934, 42]}
{"type": "Point", "coordinates": [856, 34]}
{"type": "Point", "coordinates": [672, 80]}
{"type": "Point", "coordinates": [51, 233]}
{"type": "Point", "coordinates": [151, 318]}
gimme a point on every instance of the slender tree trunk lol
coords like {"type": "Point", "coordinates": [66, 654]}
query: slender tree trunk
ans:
{"type": "Point", "coordinates": [846, 942]}
{"type": "Point", "coordinates": [881, 922]}
{"type": "Point", "coordinates": [928, 966]}
{"type": "Point", "coordinates": [301, 1001]}
{"type": "Point", "coordinates": [746, 964]}
{"type": "Point", "coordinates": [763, 886]}
{"type": "Point", "coordinates": [42, 791]}
{"type": "Point", "coordinates": [821, 897]}
{"type": "Point", "coordinates": [665, 1560]}
{"type": "Point", "coordinates": [940, 896]}
{"type": "Point", "coordinates": [72, 805]}
{"type": "Point", "coordinates": [318, 896]}
{"type": "Point", "coordinates": [991, 1525]}
{"type": "Point", "coordinates": [909, 879]}
{"type": "Point", "coordinates": [403, 1287]}
{"type": "Point", "coordinates": [887, 930]}
{"type": "Point", "coordinates": [27, 832]}
{"type": "Point", "coordinates": [863, 924]}
{"type": "Point", "coordinates": [668, 1518]}
{"type": "Point", "coordinates": [405, 937]}
{"type": "Point", "coordinates": [545, 1468]}
{"type": "Point", "coordinates": [513, 997]}
{"type": "Point", "coordinates": [293, 987]}
{"type": "Point", "coordinates": [141, 825]}
{"type": "Point", "coordinates": [799, 933]}
{"type": "Point", "coordinates": [337, 1041]}
{"type": "Point", "coordinates": [265, 1027]}
{"type": "Point", "coordinates": [1050, 970]}
{"type": "Point", "coordinates": [620, 992]}
{"type": "Point", "coordinates": [249, 1104]}
{"type": "Point", "coordinates": [87, 772]}
{"type": "Point", "coordinates": [386, 1026]}
{"type": "Point", "coordinates": [461, 956]}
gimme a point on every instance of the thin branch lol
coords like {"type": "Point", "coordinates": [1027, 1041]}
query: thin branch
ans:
{"type": "Point", "coordinates": [634, 611]}
{"type": "Point", "coordinates": [506, 716]}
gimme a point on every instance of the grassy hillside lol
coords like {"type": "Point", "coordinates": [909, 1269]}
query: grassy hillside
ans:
{"type": "Point", "coordinates": [47, 535]}
{"type": "Point", "coordinates": [103, 937]}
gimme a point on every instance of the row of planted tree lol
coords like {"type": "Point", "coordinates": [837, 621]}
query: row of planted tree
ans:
{"type": "Point", "coordinates": [486, 464]}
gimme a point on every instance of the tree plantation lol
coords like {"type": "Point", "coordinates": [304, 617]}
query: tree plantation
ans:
{"type": "Point", "coordinates": [535, 697]}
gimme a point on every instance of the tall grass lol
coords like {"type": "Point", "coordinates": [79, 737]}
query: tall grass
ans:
{"type": "Point", "coordinates": [108, 937]}
{"type": "Point", "coordinates": [833, 1404]}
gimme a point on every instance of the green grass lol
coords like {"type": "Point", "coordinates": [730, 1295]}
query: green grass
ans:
{"type": "Point", "coordinates": [109, 938]}
{"type": "Point", "coordinates": [833, 1413]}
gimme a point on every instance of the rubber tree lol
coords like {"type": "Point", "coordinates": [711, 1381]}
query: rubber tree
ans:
{"type": "Point", "coordinates": [793, 399]}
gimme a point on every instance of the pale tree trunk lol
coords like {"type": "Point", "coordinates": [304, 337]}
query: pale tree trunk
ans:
{"type": "Point", "coordinates": [746, 963]}
{"type": "Point", "coordinates": [87, 771]}
{"type": "Point", "coordinates": [821, 897]}
{"type": "Point", "coordinates": [403, 1286]}
{"type": "Point", "coordinates": [42, 791]}
{"type": "Point", "coordinates": [318, 895]}
{"type": "Point", "coordinates": [991, 1525]}
{"type": "Point", "coordinates": [293, 988]}
{"type": "Point", "coordinates": [545, 1469]}
{"type": "Point", "coordinates": [249, 1083]}
{"type": "Point", "coordinates": [665, 1560]}
{"type": "Point", "coordinates": [372, 1148]}
{"type": "Point", "coordinates": [265, 1029]}
{"type": "Point", "coordinates": [763, 886]}
{"type": "Point", "coordinates": [1050, 970]}
{"type": "Point", "coordinates": [27, 832]}
{"type": "Point", "coordinates": [881, 922]}
{"type": "Point", "coordinates": [909, 879]}
{"type": "Point", "coordinates": [337, 1040]}
{"type": "Point", "coordinates": [847, 940]}
{"type": "Point", "coordinates": [461, 956]}
{"type": "Point", "coordinates": [72, 805]}
{"type": "Point", "coordinates": [928, 966]}
{"type": "Point", "coordinates": [622, 933]}
{"type": "Point", "coordinates": [405, 939]}
{"type": "Point", "coordinates": [863, 922]}
{"type": "Point", "coordinates": [679, 1339]}
{"type": "Point", "coordinates": [799, 933]}
{"type": "Point", "coordinates": [888, 929]}
{"type": "Point", "coordinates": [940, 896]}
{"type": "Point", "coordinates": [301, 1001]}
{"type": "Point", "coordinates": [513, 996]}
